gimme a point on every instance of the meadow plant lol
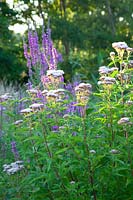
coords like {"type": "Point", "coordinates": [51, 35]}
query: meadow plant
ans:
{"type": "Point", "coordinates": [67, 143]}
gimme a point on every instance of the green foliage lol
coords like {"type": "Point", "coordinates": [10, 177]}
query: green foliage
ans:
{"type": "Point", "coordinates": [11, 62]}
{"type": "Point", "coordinates": [88, 156]}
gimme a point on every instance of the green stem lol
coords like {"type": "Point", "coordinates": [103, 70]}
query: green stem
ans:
{"type": "Point", "coordinates": [51, 156]}
{"type": "Point", "coordinates": [90, 171]}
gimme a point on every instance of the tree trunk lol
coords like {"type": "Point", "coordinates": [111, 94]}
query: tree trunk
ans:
{"type": "Point", "coordinates": [110, 17]}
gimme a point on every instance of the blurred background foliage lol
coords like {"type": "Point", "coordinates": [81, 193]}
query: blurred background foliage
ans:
{"type": "Point", "coordinates": [82, 31]}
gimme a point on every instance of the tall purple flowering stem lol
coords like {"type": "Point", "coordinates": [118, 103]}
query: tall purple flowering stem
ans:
{"type": "Point", "coordinates": [14, 150]}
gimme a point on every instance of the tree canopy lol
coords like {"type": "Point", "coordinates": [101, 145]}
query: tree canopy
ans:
{"type": "Point", "coordinates": [81, 30]}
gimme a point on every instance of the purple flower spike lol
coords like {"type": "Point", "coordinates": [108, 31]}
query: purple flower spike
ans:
{"type": "Point", "coordinates": [74, 134]}
{"type": "Point", "coordinates": [43, 56]}
{"type": "Point", "coordinates": [25, 50]}
{"type": "Point", "coordinates": [55, 128]}
{"type": "Point", "coordinates": [14, 150]}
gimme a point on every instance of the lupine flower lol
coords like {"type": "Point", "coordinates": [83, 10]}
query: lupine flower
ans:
{"type": "Point", "coordinates": [45, 43]}
{"type": "Point", "coordinates": [2, 108]}
{"type": "Point", "coordinates": [32, 47]}
{"type": "Point", "coordinates": [59, 57]}
{"type": "Point", "coordinates": [46, 55]}
{"type": "Point", "coordinates": [43, 63]}
{"type": "Point", "coordinates": [71, 108]}
{"type": "Point", "coordinates": [74, 134]}
{"type": "Point", "coordinates": [29, 85]}
{"type": "Point", "coordinates": [25, 50]}
{"type": "Point", "coordinates": [71, 87]}
{"type": "Point", "coordinates": [46, 81]}
{"type": "Point", "coordinates": [14, 149]}
{"type": "Point", "coordinates": [53, 61]}
{"type": "Point", "coordinates": [55, 128]}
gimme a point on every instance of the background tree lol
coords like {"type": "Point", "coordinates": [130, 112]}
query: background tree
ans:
{"type": "Point", "coordinates": [11, 61]}
{"type": "Point", "coordinates": [82, 30]}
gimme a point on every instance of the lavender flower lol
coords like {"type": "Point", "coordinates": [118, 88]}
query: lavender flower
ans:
{"type": "Point", "coordinates": [55, 128]}
{"type": "Point", "coordinates": [25, 50]}
{"type": "Point", "coordinates": [14, 150]}
{"type": "Point", "coordinates": [46, 56]}
{"type": "Point", "coordinates": [74, 134]}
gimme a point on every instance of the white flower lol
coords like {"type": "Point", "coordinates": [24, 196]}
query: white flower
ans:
{"type": "Point", "coordinates": [72, 182]}
{"type": "Point", "coordinates": [26, 111]}
{"type": "Point", "coordinates": [55, 73]}
{"type": "Point", "coordinates": [112, 54]}
{"type": "Point", "coordinates": [103, 70]}
{"type": "Point", "coordinates": [18, 122]}
{"type": "Point", "coordinates": [119, 45]}
{"type": "Point", "coordinates": [100, 82]}
{"type": "Point", "coordinates": [114, 151]}
{"type": "Point", "coordinates": [110, 79]}
{"type": "Point", "coordinates": [32, 91]}
{"type": "Point", "coordinates": [61, 127]}
{"type": "Point", "coordinates": [110, 70]}
{"type": "Point", "coordinates": [92, 151]}
{"type": "Point", "coordinates": [5, 97]}
{"type": "Point", "coordinates": [66, 116]}
{"type": "Point", "coordinates": [60, 90]}
{"type": "Point", "coordinates": [129, 102]}
{"type": "Point", "coordinates": [44, 92]}
{"type": "Point", "coordinates": [83, 86]}
{"type": "Point", "coordinates": [36, 105]}
{"type": "Point", "coordinates": [106, 80]}
{"type": "Point", "coordinates": [13, 167]}
{"type": "Point", "coordinates": [52, 93]}
{"type": "Point", "coordinates": [129, 49]}
{"type": "Point", "coordinates": [124, 120]}
{"type": "Point", "coordinates": [19, 161]}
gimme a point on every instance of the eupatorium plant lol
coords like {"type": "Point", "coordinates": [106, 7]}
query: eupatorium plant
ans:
{"type": "Point", "coordinates": [72, 142]}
